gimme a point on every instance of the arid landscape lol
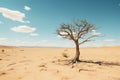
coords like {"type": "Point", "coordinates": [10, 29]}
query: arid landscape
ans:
{"type": "Point", "coordinates": [59, 40]}
{"type": "Point", "coordinates": [100, 63]}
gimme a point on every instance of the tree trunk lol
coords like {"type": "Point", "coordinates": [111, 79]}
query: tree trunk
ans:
{"type": "Point", "coordinates": [77, 55]}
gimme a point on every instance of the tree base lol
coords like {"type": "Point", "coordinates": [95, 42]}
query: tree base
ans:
{"type": "Point", "coordinates": [75, 61]}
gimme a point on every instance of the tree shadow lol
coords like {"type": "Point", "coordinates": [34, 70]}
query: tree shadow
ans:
{"type": "Point", "coordinates": [69, 62]}
{"type": "Point", "coordinates": [100, 62]}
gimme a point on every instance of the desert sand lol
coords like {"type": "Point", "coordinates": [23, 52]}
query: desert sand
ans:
{"type": "Point", "coordinates": [101, 63]}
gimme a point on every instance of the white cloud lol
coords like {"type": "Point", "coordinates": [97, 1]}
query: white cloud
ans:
{"type": "Point", "coordinates": [27, 8]}
{"type": "Point", "coordinates": [23, 29]}
{"type": "Point", "coordinates": [109, 40]}
{"type": "Point", "coordinates": [59, 36]}
{"type": "Point", "coordinates": [3, 39]}
{"type": "Point", "coordinates": [63, 33]}
{"type": "Point", "coordinates": [12, 14]}
{"type": "Point", "coordinates": [34, 34]}
{"type": "Point", "coordinates": [95, 33]}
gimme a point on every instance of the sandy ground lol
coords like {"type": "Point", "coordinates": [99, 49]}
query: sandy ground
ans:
{"type": "Point", "coordinates": [50, 64]}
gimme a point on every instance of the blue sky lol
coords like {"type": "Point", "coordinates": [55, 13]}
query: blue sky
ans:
{"type": "Point", "coordinates": [34, 22]}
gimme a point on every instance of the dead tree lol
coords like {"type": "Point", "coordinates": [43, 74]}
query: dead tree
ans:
{"type": "Point", "coordinates": [78, 32]}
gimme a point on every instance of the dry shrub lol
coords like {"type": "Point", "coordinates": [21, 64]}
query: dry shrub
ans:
{"type": "Point", "coordinates": [64, 54]}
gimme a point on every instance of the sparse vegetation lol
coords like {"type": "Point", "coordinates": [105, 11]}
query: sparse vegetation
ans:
{"type": "Point", "coordinates": [2, 73]}
{"type": "Point", "coordinates": [64, 54]}
{"type": "Point", "coordinates": [42, 65]}
{"type": "Point", "coordinates": [2, 50]}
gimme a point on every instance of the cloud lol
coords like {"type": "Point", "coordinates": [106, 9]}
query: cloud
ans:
{"type": "Point", "coordinates": [95, 33]}
{"type": "Point", "coordinates": [59, 36]}
{"type": "Point", "coordinates": [27, 8]}
{"type": "Point", "coordinates": [23, 29]}
{"type": "Point", "coordinates": [109, 40]}
{"type": "Point", "coordinates": [63, 33]}
{"type": "Point", "coordinates": [12, 14]}
{"type": "Point", "coordinates": [3, 39]}
{"type": "Point", "coordinates": [34, 34]}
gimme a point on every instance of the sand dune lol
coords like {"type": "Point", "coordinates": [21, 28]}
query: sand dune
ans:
{"type": "Point", "coordinates": [49, 64]}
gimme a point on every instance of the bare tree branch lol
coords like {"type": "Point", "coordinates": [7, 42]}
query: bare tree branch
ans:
{"type": "Point", "coordinates": [66, 29]}
{"type": "Point", "coordinates": [76, 30]}
{"type": "Point", "coordinates": [87, 39]}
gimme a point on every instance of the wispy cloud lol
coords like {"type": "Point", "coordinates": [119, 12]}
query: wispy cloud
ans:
{"type": "Point", "coordinates": [63, 33]}
{"type": "Point", "coordinates": [23, 29]}
{"type": "Point", "coordinates": [94, 32]}
{"type": "Point", "coordinates": [3, 39]}
{"type": "Point", "coordinates": [27, 8]}
{"type": "Point", "coordinates": [12, 14]}
{"type": "Point", "coordinates": [34, 34]}
{"type": "Point", "coordinates": [109, 40]}
{"type": "Point", "coordinates": [59, 36]}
